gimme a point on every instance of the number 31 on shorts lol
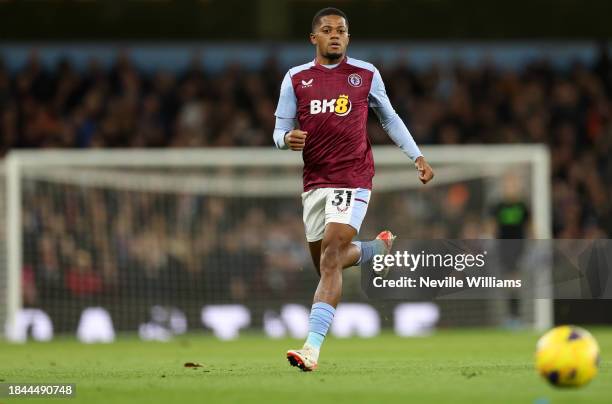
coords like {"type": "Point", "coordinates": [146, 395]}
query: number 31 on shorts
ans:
{"type": "Point", "coordinates": [347, 205]}
{"type": "Point", "coordinates": [342, 199]}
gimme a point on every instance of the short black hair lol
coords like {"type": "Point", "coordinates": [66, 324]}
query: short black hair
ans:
{"type": "Point", "coordinates": [327, 11]}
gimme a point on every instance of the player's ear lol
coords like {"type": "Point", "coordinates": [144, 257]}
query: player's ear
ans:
{"type": "Point", "coordinates": [313, 39]}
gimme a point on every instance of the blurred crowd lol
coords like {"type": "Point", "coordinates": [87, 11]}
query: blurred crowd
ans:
{"type": "Point", "coordinates": [570, 110]}
{"type": "Point", "coordinates": [160, 248]}
{"type": "Point", "coordinates": [106, 244]}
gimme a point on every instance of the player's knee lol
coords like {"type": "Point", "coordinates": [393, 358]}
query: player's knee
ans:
{"type": "Point", "coordinates": [337, 241]}
{"type": "Point", "coordinates": [329, 262]}
{"type": "Point", "coordinates": [331, 256]}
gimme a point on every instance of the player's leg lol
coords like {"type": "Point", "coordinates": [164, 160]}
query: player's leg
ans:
{"type": "Point", "coordinates": [335, 247]}
{"type": "Point", "coordinates": [381, 245]}
{"type": "Point", "coordinates": [337, 252]}
{"type": "Point", "coordinates": [352, 257]}
{"type": "Point", "coordinates": [358, 252]}
{"type": "Point", "coordinates": [314, 224]}
{"type": "Point", "coordinates": [344, 212]}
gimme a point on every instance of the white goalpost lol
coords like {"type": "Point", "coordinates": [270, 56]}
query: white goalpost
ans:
{"type": "Point", "coordinates": [115, 210]}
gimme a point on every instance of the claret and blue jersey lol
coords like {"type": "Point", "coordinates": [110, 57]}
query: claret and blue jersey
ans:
{"type": "Point", "coordinates": [331, 103]}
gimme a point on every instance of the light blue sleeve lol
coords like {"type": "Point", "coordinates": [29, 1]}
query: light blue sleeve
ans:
{"type": "Point", "coordinates": [282, 126]}
{"type": "Point", "coordinates": [390, 120]}
{"type": "Point", "coordinates": [285, 112]}
{"type": "Point", "coordinates": [287, 102]}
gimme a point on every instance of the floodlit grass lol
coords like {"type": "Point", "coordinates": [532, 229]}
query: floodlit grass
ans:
{"type": "Point", "coordinates": [459, 366]}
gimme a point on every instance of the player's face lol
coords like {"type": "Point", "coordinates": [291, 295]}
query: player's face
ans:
{"type": "Point", "coordinates": [331, 37]}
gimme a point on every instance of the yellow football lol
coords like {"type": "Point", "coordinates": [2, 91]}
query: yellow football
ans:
{"type": "Point", "coordinates": [567, 356]}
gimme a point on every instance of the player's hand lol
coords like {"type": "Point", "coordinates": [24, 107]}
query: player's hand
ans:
{"type": "Point", "coordinates": [296, 139]}
{"type": "Point", "coordinates": [424, 169]}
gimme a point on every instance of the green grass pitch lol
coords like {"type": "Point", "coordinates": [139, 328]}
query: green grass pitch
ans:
{"type": "Point", "coordinates": [458, 366]}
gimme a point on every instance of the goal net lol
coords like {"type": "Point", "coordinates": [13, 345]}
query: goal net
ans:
{"type": "Point", "coordinates": [165, 241]}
